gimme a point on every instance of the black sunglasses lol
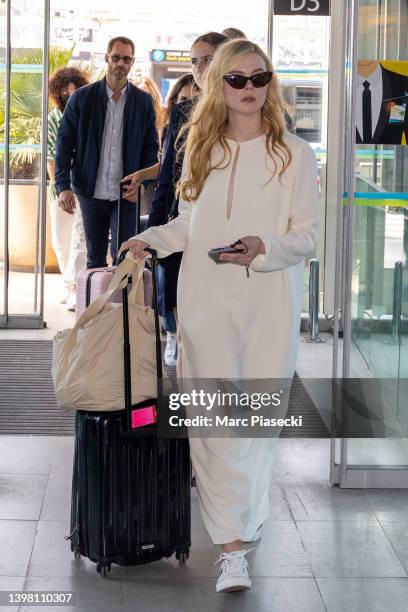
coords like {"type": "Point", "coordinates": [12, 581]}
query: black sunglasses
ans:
{"type": "Point", "coordinates": [239, 81]}
{"type": "Point", "coordinates": [116, 58]}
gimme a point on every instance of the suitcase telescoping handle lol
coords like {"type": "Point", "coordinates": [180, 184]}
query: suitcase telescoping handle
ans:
{"type": "Point", "coordinates": [126, 344]}
{"type": "Point", "coordinates": [138, 205]}
{"type": "Point", "coordinates": [119, 228]}
{"type": "Point", "coordinates": [138, 208]}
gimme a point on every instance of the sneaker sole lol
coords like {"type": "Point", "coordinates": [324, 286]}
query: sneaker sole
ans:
{"type": "Point", "coordinates": [238, 586]}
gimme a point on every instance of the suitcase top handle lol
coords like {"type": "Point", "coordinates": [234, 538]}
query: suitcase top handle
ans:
{"type": "Point", "coordinates": [127, 267]}
{"type": "Point", "coordinates": [152, 252]}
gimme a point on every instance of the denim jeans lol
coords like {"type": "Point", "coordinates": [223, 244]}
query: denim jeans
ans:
{"type": "Point", "coordinates": [100, 216]}
{"type": "Point", "coordinates": [168, 322]}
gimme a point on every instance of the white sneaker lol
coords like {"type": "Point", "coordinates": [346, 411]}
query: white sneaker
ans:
{"type": "Point", "coordinates": [170, 351]}
{"type": "Point", "coordinates": [234, 572]}
{"type": "Point", "coordinates": [64, 296]}
{"type": "Point", "coordinates": [71, 301]}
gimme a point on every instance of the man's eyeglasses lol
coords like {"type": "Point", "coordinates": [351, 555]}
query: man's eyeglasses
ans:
{"type": "Point", "coordinates": [116, 58]}
{"type": "Point", "coordinates": [239, 81]}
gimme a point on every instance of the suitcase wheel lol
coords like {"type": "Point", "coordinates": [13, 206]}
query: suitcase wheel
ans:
{"type": "Point", "coordinates": [182, 557]}
{"type": "Point", "coordinates": [103, 569]}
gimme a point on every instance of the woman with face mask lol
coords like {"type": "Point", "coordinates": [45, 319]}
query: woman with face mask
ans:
{"type": "Point", "coordinates": [247, 182]}
{"type": "Point", "coordinates": [183, 89]}
{"type": "Point", "coordinates": [164, 203]}
{"type": "Point", "coordinates": [67, 234]}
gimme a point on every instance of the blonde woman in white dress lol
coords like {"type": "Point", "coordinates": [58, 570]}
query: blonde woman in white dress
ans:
{"type": "Point", "coordinates": [244, 178]}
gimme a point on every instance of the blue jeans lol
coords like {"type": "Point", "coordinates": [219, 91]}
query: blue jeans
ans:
{"type": "Point", "coordinates": [100, 216]}
{"type": "Point", "coordinates": [168, 322]}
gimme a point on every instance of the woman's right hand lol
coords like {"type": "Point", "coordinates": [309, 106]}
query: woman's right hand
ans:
{"type": "Point", "coordinates": [136, 247]}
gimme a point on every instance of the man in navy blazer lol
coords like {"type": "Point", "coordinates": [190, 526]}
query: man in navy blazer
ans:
{"type": "Point", "coordinates": [108, 130]}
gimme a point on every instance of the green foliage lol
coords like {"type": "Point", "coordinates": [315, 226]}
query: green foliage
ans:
{"type": "Point", "coordinates": [57, 57]}
{"type": "Point", "coordinates": [26, 102]}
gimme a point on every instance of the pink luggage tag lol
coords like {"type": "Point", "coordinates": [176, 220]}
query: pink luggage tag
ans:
{"type": "Point", "coordinates": [144, 416]}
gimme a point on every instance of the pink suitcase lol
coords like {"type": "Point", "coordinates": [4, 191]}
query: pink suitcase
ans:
{"type": "Point", "coordinates": [92, 283]}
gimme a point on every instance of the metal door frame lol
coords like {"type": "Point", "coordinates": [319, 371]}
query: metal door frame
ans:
{"type": "Point", "coordinates": [33, 321]}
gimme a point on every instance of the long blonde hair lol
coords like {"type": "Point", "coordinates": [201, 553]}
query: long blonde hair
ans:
{"type": "Point", "coordinates": [147, 84]}
{"type": "Point", "coordinates": [208, 123]}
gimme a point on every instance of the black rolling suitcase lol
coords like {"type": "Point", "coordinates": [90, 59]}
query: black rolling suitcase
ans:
{"type": "Point", "coordinates": [130, 488]}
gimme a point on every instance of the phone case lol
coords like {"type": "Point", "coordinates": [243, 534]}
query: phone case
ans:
{"type": "Point", "coordinates": [214, 254]}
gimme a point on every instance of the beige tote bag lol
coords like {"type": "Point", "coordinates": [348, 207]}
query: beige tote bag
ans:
{"type": "Point", "coordinates": [87, 367]}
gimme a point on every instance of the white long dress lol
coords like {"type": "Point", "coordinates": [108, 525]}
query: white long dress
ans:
{"type": "Point", "coordinates": [232, 326]}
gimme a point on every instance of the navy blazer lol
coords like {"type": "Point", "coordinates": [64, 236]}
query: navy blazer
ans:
{"type": "Point", "coordinates": [79, 138]}
{"type": "Point", "coordinates": [395, 89]}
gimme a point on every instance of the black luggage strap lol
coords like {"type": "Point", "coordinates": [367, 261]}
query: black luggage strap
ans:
{"type": "Point", "coordinates": [126, 346]}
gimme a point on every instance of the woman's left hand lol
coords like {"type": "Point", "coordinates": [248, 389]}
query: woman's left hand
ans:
{"type": "Point", "coordinates": [254, 245]}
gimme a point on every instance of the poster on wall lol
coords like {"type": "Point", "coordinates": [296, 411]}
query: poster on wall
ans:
{"type": "Point", "coordinates": [382, 102]}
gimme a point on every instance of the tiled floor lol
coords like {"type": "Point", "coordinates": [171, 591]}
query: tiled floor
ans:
{"type": "Point", "coordinates": [322, 548]}
{"type": "Point", "coordinates": [22, 302]}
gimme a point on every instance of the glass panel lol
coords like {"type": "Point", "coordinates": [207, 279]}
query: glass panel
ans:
{"type": "Point", "coordinates": [379, 278]}
{"type": "Point", "coordinates": [300, 57]}
{"type": "Point", "coordinates": [403, 366]}
{"type": "Point", "coordinates": [148, 26]}
{"type": "Point", "coordinates": [25, 157]}
{"type": "Point", "coordinates": [87, 26]}
{"type": "Point", "coordinates": [3, 35]}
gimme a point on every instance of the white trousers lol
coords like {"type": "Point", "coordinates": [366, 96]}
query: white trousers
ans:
{"type": "Point", "coordinates": [68, 241]}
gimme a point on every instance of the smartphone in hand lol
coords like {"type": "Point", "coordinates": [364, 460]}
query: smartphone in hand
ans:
{"type": "Point", "coordinates": [214, 254]}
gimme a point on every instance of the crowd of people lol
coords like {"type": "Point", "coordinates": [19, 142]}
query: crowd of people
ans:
{"type": "Point", "coordinates": [67, 226]}
{"type": "Point", "coordinates": [228, 172]}
{"type": "Point", "coordinates": [84, 214]}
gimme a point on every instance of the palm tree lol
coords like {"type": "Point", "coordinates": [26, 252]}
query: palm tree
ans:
{"type": "Point", "coordinates": [25, 108]}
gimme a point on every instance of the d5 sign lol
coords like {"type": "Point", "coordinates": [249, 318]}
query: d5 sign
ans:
{"type": "Point", "coordinates": [302, 7]}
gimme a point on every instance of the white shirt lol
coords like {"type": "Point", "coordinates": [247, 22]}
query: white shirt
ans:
{"type": "Point", "coordinates": [110, 170]}
{"type": "Point", "coordinates": [376, 88]}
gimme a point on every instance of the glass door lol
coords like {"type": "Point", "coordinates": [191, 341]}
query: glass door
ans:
{"type": "Point", "coordinates": [23, 113]}
{"type": "Point", "coordinates": [299, 44]}
{"type": "Point", "coordinates": [375, 236]}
